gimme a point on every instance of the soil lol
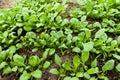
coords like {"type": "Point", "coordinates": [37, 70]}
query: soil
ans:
{"type": "Point", "coordinates": [112, 75]}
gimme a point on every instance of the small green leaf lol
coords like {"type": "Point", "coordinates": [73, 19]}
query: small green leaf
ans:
{"type": "Point", "coordinates": [118, 40]}
{"type": "Point", "coordinates": [67, 78]}
{"type": "Point", "coordinates": [15, 68]}
{"type": "Point", "coordinates": [46, 64]}
{"type": "Point", "coordinates": [67, 66]}
{"type": "Point", "coordinates": [37, 74]}
{"type": "Point", "coordinates": [88, 46]}
{"type": "Point", "coordinates": [7, 70]}
{"type": "Point", "coordinates": [93, 70]}
{"type": "Point", "coordinates": [34, 60]}
{"type": "Point", "coordinates": [76, 49]}
{"type": "Point", "coordinates": [19, 31]}
{"type": "Point", "coordinates": [27, 28]}
{"type": "Point", "coordinates": [86, 75]}
{"type": "Point", "coordinates": [25, 76]}
{"type": "Point", "coordinates": [118, 67]}
{"type": "Point", "coordinates": [83, 18]}
{"type": "Point", "coordinates": [94, 63]}
{"type": "Point", "coordinates": [74, 78]}
{"type": "Point", "coordinates": [109, 65]}
{"type": "Point", "coordinates": [76, 61]}
{"type": "Point", "coordinates": [57, 60]}
{"type": "Point", "coordinates": [79, 74]}
{"type": "Point", "coordinates": [54, 71]}
{"type": "Point", "coordinates": [18, 60]}
{"type": "Point", "coordinates": [51, 51]}
{"type": "Point", "coordinates": [85, 56]}
{"type": "Point", "coordinates": [3, 64]}
{"type": "Point", "coordinates": [116, 56]}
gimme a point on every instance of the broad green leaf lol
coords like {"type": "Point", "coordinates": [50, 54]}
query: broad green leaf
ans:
{"type": "Point", "coordinates": [25, 76]}
{"type": "Point", "coordinates": [109, 65]}
{"type": "Point", "coordinates": [79, 74]}
{"type": "Point", "coordinates": [7, 70]}
{"type": "Point", "coordinates": [54, 71]}
{"type": "Point", "coordinates": [76, 61]}
{"type": "Point", "coordinates": [88, 46]}
{"type": "Point", "coordinates": [15, 68]}
{"type": "Point", "coordinates": [45, 54]}
{"type": "Point", "coordinates": [51, 51]}
{"type": "Point", "coordinates": [3, 64]}
{"type": "Point", "coordinates": [35, 49]}
{"type": "Point", "coordinates": [86, 75]}
{"type": "Point", "coordinates": [57, 60]}
{"type": "Point", "coordinates": [74, 78]}
{"type": "Point", "coordinates": [30, 35]}
{"type": "Point", "coordinates": [118, 67]}
{"type": "Point", "coordinates": [93, 70]}
{"type": "Point", "coordinates": [27, 28]}
{"type": "Point", "coordinates": [18, 60]}
{"type": "Point", "coordinates": [83, 18]}
{"type": "Point", "coordinates": [12, 49]}
{"type": "Point", "coordinates": [34, 60]}
{"type": "Point", "coordinates": [116, 56]}
{"type": "Point", "coordinates": [118, 40]}
{"type": "Point", "coordinates": [67, 66]}
{"type": "Point", "coordinates": [84, 56]}
{"type": "Point", "coordinates": [101, 34]}
{"type": "Point", "coordinates": [46, 64]}
{"type": "Point", "coordinates": [94, 63]}
{"type": "Point", "coordinates": [76, 49]}
{"type": "Point", "coordinates": [88, 33]}
{"type": "Point", "coordinates": [37, 74]}
{"type": "Point", "coordinates": [19, 32]}
{"type": "Point", "coordinates": [67, 78]}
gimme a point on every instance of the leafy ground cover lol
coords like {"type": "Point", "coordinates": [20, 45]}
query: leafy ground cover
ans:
{"type": "Point", "coordinates": [60, 40]}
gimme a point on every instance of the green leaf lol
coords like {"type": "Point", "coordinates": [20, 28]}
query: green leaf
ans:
{"type": "Point", "coordinates": [51, 51]}
{"type": "Point", "coordinates": [74, 78]}
{"type": "Point", "coordinates": [86, 75]}
{"type": "Point", "coordinates": [94, 63]}
{"type": "Point", "coordinates": [67, 78]}
{"type": "Point", "coordinates": [67, 66]}
{"type": "Point", "coordinates": [57, 60]}
{"type": "Point", "coordinates": [76, 61]}
{"type": "Point", "coordinates": [46, 64]}
{"type": "Point", "coordinates": [88, 46]}
{"type": "Point", "coordinates": [27, 28]}
{"type": "Point", "coordinates": [34, 60]}
{"type": "Point", "coordinates": [7, 70]}
{"type": "Point", "coordinates": [118, 67]}
{"type": "Point", "coordinates": [45, 54]}
{"type": "Point", "coordinates": [93, 70]}
{"type": "Point", "coordinates": [79, 74]}
{"type": "Point", "coordinates": [116, 56]}
{"type": "Point", "coordinates": [12, 49]}
{"type": "Point", "coordinates": [18, 60]}
{"type": "Point", "coordinates": [109, 65]}
{"type": "Point", "coordinates": [76, 49]}
{"type": "Point", "coordinates": [54, 71]}
{"type": "Point", "coordinates": [84, 56]}
{"type": "Point", "coordinates": [101, 34]}
{"type": "Point", "coordinates": [118, 40]}
{"type": "Point", "coordinates": [15, 68]}
{"type": "Point", "coordinates": [25, 76]}
{"type": "Point", "coordinates": [3, 64]}
{"type": "Point", "coordinates": [19, 32]}
{"type": "Point", "coordinates": [37, 74]}
{"type": "Point", "coordinates": [83, 18]}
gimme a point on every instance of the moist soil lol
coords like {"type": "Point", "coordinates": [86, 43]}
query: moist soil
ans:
{"type": "Point", "coordinates": [112, 75]}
